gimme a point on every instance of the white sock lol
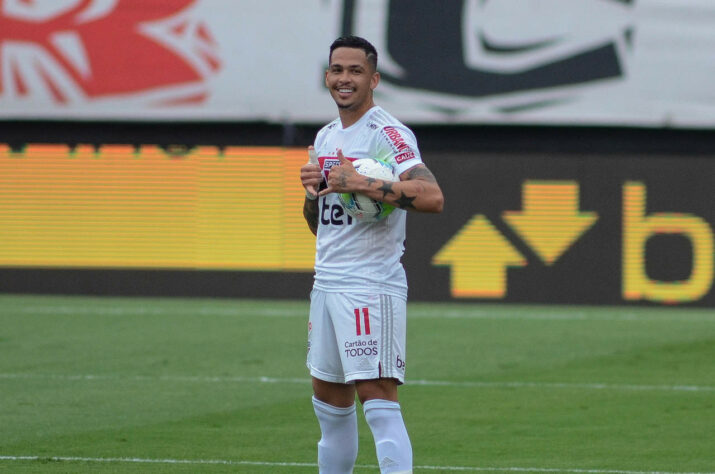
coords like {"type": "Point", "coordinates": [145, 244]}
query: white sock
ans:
{"type": "Point", "coordinates": [394, 451]}
{"type": "Point", "coordinates": [338, 446]}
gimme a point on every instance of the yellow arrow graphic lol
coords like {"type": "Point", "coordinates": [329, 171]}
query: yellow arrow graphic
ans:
{"type": "Point", "coordinates": [479, 256]}
{"type": "Point", "coordinates": [550, 221]}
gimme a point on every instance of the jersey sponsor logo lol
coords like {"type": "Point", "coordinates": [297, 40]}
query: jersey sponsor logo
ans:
{"type": "Point", "coordinates": [361, 348]}
{"type": "Point", "coordinates": [394, 137]}
{"type": "Point", "coordinates": [402, 157]}
{"type": "Point", "coordinates": [398, 143]}
{"type": "Point", "coordinates": [326, 163]}
{"type": "Point", "coordinates": [334, 214]}
{"type": "Point", "coordinates": [57, 50]}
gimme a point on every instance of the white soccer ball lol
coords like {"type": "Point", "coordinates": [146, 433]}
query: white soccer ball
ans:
{"type": "Point", "coordinates": [358, 205]}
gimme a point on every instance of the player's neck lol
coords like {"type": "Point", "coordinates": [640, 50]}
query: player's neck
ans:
{"type": "Point", "coordinates": [349, 116]}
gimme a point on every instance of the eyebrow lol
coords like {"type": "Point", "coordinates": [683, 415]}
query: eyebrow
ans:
{"type": "Point", "coordinates": [349, 66]}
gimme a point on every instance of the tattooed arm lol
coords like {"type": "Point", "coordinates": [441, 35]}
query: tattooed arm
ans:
{"type": "Point", "coordinates": [417, 189]}
{"type": "Point", "coordinates": [310, 212]}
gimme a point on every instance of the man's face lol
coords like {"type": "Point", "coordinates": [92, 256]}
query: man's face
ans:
{"type": "Point", "coordinates": [351, 79]}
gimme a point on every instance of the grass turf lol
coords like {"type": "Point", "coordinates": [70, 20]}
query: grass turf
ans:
{"type": "Point", "coordinates": [176, 385]}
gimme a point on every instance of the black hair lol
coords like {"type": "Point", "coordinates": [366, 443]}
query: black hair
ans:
{"type": "Point", "coordinates": [358, 43]}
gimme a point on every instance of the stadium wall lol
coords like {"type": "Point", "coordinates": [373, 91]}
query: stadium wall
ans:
{"type": "Point", "coordinates": [540, 219]}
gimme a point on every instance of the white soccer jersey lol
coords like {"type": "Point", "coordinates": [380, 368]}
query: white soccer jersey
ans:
{"type": "Point", "coordinates": [353, 256]}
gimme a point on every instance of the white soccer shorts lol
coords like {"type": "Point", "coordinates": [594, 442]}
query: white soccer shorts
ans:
{"type": "Point", "coordinates": [356, 337]}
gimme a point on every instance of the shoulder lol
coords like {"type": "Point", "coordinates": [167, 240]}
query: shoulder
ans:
{"type": "Point", "coordinates": [395, 139]}
{"type": "Point", "coordinates": [380, 118]}
{"type": "Point", "coordinates": [390, 129]}
{"type": "Point", "coordinates": [323, 132]}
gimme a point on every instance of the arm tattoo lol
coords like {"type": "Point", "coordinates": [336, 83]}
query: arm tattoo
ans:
{"type": "Point", "coordinates": [405, 202]}
{"type": "Point", "coordinates": [418, 173]}
{"type": "Point", "coordinates": [343, 180]}
{"type": "Point", "coordinates": [421, 172]}
{"type": "Point", "coordinates": [386, 188]}
{"type": "Point", "coordinates": [310, 212]}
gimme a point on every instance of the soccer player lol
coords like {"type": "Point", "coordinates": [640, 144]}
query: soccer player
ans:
{"type": "Point", "coordinates": [357, 326]}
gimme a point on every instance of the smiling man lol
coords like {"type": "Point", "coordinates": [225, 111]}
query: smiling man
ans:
{"type": "Point", "coordinates": [358, 310]}
{"type": "Point", "coordinates": [351, 78]}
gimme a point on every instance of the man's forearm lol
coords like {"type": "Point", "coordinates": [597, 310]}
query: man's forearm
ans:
{"type": "Point", "coordinates": [418, 191]}
{"type": "Point", "coordinates": [310, 212]}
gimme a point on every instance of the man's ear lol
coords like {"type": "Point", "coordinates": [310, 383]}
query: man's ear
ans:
{"type": "Point", "coordinates": [375, 80]}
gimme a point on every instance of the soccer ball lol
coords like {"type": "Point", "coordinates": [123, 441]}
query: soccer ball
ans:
{"type": "Point", "coordinates": [358, 205]}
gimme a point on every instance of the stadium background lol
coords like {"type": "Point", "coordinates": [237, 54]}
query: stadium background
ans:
{"type": "Point", "coordinates": [576, 156]}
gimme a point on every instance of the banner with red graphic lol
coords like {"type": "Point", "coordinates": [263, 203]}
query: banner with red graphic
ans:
{"type": "Point", "coordinates": [84, 58]}
{"type": "Point", "coordinates": [592, 62]}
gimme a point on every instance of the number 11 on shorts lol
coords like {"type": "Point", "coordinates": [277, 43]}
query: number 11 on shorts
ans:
{"type": "Point", "coordinates": [365, 317]}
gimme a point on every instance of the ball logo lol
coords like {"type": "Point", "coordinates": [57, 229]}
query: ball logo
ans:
{"type": "Point", "coordinates": [78, 51]}
{"type": "Point", "coordinates": [475, 49]}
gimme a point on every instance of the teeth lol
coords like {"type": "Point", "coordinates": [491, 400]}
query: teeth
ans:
{"type": "Point", "coordinates": [345, 90]}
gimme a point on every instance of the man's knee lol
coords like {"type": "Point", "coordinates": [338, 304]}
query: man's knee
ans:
{"type": "Point", "coordinates": [377, 389]}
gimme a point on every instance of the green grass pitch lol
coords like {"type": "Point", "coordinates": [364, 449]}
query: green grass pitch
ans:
{"type": "Point", "coordinates": [130, 385]}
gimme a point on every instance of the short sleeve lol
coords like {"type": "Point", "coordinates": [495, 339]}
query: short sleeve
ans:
{"type": "Point", "coordinates": [398, 146]}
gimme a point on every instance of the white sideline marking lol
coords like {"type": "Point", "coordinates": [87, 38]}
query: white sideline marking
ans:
{"type": "Point", "coordinates": [313, 465]}
{"type": "Point", "coordinates": [154, 461]}
{"type": "Point", "coordinates": [607, 314]}
{"type": "Point", "coordinates": [587, 386]}
{"type": "Point", "coordinates": [411, 383]}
